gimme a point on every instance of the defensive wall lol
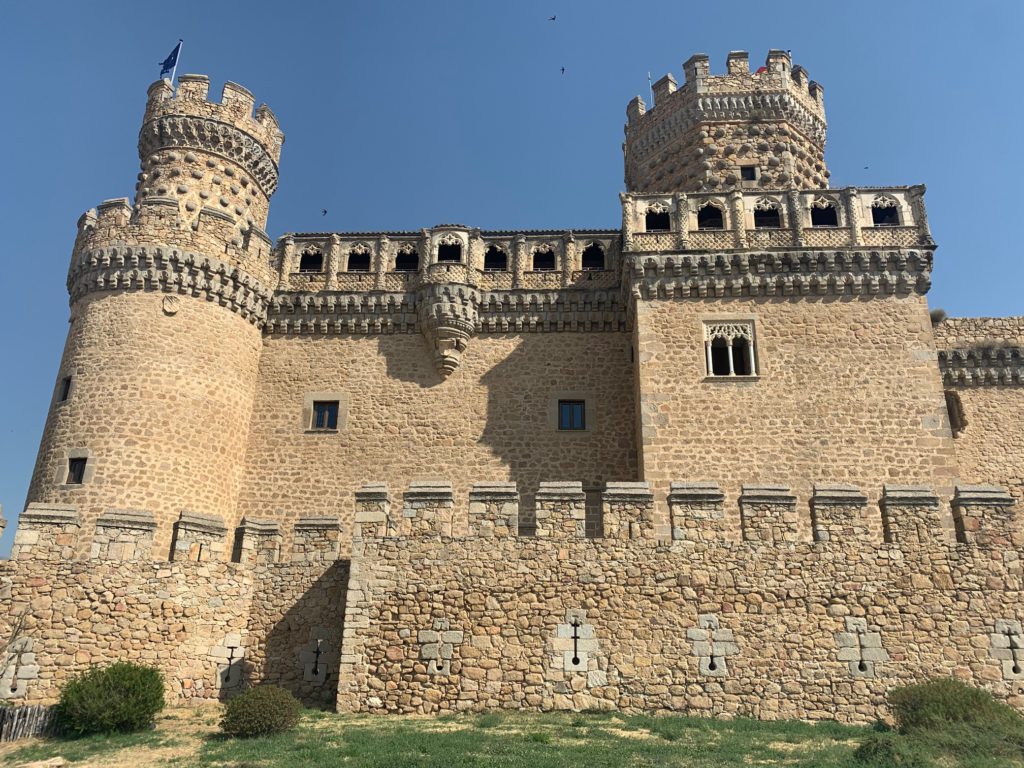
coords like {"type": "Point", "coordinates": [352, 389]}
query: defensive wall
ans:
{"type": "Point", "coordinates": [760, 603]}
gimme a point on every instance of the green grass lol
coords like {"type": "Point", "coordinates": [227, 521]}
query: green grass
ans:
{"type": "Point", "coordinates": [514, 740]}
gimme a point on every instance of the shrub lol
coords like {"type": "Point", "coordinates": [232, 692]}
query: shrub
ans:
{"type": "Point", "coordinates": [260, 711]}
{"type": "Point", "coordinates": [939, 704]}
{"type": "Point", "coordinates": [889, 750]}
{"type": "Point", "coordinates": [120, 698]}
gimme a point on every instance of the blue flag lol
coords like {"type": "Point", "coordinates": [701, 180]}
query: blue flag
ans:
{"type": "Point", "coordinates": [171, 61]}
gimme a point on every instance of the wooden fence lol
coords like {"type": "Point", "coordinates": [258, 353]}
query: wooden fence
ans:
{"type": "Point", "coordinates": [23, 722]}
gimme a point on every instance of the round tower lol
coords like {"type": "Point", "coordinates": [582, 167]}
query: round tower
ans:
{"type": "Point", "coordinates": [168, 297]}
{"type": "Point", "coordinates": [741, 130]}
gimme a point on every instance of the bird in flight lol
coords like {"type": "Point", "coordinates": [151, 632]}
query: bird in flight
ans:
{"type": "Point", "coordinates": [551, 18]}
{"type": "Point", "coordinates": [563, 70]}
{"type": "Point", "coordinates": [323, 212]}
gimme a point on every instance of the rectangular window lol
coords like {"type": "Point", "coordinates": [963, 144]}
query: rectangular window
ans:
{"type": "Point", "coordinates": [748, 172]}
{"type": "Point", "coordinates": [325, 414]}
{"type": "Point", "coordinates": [571, 415]}
{"type": "Point", "coordinates": [65, 388]}
{"type": "Point", "coordinates": [76, 471]}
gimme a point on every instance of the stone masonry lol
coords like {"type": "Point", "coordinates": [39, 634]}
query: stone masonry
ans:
{"type": "Point", "coordinates": [719, 458]}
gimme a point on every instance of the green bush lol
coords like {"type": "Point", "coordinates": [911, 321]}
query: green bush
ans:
{"type": "Point", "coordinates": [939, 704]}
{"type": "Point", "coordinates": [889, 750]}
{"type": "Point", "coordinates": [120, 698]}
{"type": "Point", "coordinates": [260, 711]}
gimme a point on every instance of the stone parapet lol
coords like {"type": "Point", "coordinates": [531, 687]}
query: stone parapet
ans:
{"type": "Point", "coordinates": [629, 512]}
{"type": "Point", "coordinates": [199, 538]}
{"type": "Point", "coordinates": [316, 539]}
{"type": "Point", "coordinates": [259, 541]}
{"type": "Point", "coordinates": [768, 514]}
{"type": "Point", "coordinates": [839, 514]}
{"type": "Point", "coordinates": [697, 512]}
{"type": "Point", "coordinates": [910, 516]}
{"type": "Point", "coordinates": [373, 512]}
{"type": "Point", "coordinates": [984, 516]}
{"type": "Point", "coordinates": [124, 534]}
{"type": "Point", "coordinates": [46, 532]}
{"type": "Point", "coordinates": [428, 507]}
{"type": "Point", "coordinates": [494, 509]}
{"type": "Point", "coordinates": [561, 510]}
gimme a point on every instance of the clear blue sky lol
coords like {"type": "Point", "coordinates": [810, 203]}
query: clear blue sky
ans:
{"type": "Point", "coordinates": [406, 114]}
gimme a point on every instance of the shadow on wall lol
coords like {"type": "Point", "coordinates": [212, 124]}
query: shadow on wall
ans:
{"type": "Point", "coordinates": [299, 610]}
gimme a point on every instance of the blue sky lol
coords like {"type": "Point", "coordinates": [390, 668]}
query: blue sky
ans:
{"type": "Point", "coordinates": [402, 115]}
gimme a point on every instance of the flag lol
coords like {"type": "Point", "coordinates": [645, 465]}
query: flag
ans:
{"type": "Point", "coordinates": [168, 64]}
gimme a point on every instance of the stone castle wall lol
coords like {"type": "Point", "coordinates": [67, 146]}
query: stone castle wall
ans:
{"type": "Point", "coordinates": [493, 418]}
{"type": "Point", "coordinates": [773, 625]}
{"type": "Point", "coordinates": [848, 391]}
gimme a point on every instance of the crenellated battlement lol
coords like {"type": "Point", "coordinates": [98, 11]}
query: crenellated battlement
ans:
{"type": "Point", "coordinates": [763, 129]}
{"type": "Point", "coordinates": [906, 517]}
{"type": "Point", "coordinates": [235, 108]}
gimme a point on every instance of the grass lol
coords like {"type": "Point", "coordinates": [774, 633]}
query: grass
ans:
{"type": "Point", "coordinates": [508, 739]}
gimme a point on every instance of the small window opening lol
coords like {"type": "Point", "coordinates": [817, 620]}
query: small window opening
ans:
{"type": "Point", "coordinates": [767, 218]}
{"type": "Point", "coordinates": [748, 172]}
{"type": "Point", "coordinates": [407, 261]}
{"type": "Point", "coordinates": [311, 261]}
{"type": "Point", "coordinates": [544, 261]}
{"type": "Point", "coordinates": [593, 258]}
{"type": "Point", "coordinates": [710, 217]}
{"type": "Point", "coordinates": [451, 252]}
{"type": "Point", "coordinates": [358, 262]}
{"type": "Point", "coordinates": [65, 388]}
{"type": "Point", "coordinates": [495, 260]}
{"type": "Point", "coordinates": [955, 408]}
{"type": "Point", "coordinates": [889, 216]}
{"type": "Point", "coordinates": [824, 216]}
{"type": "Point", "coordinates": [594, 518]}
{"type": "Point", "coordinates": [658, 221]}
{"type": "Point", "coordinates": [76, 471]}
{"type": "Point", "coordinates": [325, 414]}
{"type": "Point", "coordinates": [571, 415]}
{"type": "Point", "coordinates": [719, 357]}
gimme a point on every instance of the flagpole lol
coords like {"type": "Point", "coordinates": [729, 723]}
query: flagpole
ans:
{"type": "Point", "coordinates": [174, 71]}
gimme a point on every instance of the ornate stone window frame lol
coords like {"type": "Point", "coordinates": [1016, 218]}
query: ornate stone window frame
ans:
{"type": "Point", "coordinates": [888, 201]}
{"type": "Point", "coordinates": [768, 203]}
{"type": "Point", "coordinates": [309, 398]}
{"type": "Point", "coordinates": [541, 247]}
{"type": "Point", "coordinates": [658, 207]}
{"type": "Point", "coordinates": [713, 202]}
{"type": "Point", "coordinates": [730, 329]}
{"type": "Point", "coordinates": [359, 249]}
{"type": "Point", "coordinates": [821, 202]}
{"type": "Point", "coordinates": [500, 248]}
{"type": "Point", "coordinates": [312, 250]}
{"type": "Point", "coordinates": [449, 238]}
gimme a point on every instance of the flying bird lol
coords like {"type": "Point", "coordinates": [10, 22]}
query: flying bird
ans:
{"type": "Point", "coordinates": [323, 212]}
{"type": "Point", "coordinates": [563, 70]}
{"type": "Point", "coordinates": [551, 18]}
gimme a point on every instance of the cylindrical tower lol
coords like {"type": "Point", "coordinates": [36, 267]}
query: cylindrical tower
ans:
{"type": "Point", "coordinates": [168, 298]}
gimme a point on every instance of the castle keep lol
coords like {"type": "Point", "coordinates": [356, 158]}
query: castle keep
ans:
{"type": "Point", "coordinates": [718, 459]}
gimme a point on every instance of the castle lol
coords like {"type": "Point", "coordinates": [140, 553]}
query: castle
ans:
{"type": "Point", "coordinates": [717, 460]}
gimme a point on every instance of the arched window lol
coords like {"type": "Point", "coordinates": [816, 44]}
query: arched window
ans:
{"type": "Point", "coordinates": [824, 213]}
{"type": "Point", "coordinates": [312, 260]}
{"type": "Point", "coordinates": [729, 348]}
{"type": "Point", "coordinates": [710, 217]}
{"type": "Point", "coordinates": [407, 260]}
{"type": "Point", "coordinates": [359, 259]}
{"type": "Point", "coordinates": [767, 214]}
{"type": "Point", "coordinates": [593, 258]}
{"type": "Point", "coordinates": [495, 260]}
{"type": "Point", "coordinates": [885, 211]}
{"type": "Point", "coordinates": [657, 219]}
{"type": "Point", "coordinates": [449, 251]}
{"type": "Point", "coordinates": [544, 260]}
